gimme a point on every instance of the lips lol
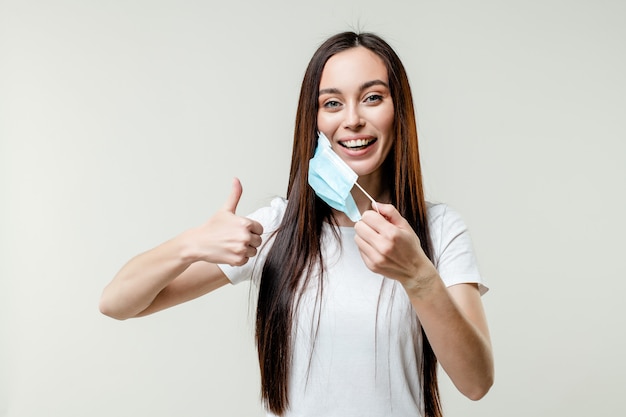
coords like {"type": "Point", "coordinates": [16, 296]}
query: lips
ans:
{"type": "Point", "coordinates": [356, 144]}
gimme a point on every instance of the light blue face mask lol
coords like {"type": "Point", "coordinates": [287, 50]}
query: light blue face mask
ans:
{"type": "Point", "coordinates": [332, 179]}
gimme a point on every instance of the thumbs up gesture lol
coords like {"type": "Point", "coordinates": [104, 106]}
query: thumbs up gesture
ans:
{"type": "Point", "coordinates": [227, 238]}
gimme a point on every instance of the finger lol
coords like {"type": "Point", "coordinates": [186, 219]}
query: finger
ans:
{"type": "Point", "coordinates": [366, 252]}
{"type": "Point", "coordinates": [239, 262]}
{"type": "Point", "coordinates": [390, 213]}
{"type": "Point", "coordinates": [362, 244]}
{"type": "Point", "coordinates": [375, 206]}
{"type": "Point", "coordinates": [255, 241]}
{"type": "Point", "coordinates": [373, 245]}
{"type": "Point", "coordinates": [256, 228]}
{"type": "Point", "coordinates": [233, 198]}
{"type": "Point", "coordinates": [251, 252]}
{"type": "Point", "coordinates": [365, 233]}
{"type": "Point", "coordinates": [377, 223]}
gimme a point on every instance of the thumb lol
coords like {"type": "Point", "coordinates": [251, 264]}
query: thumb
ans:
{"type": "Point", "coordinates": [233, 199]}
{"type": "Point", "coordinates": [390, 213]}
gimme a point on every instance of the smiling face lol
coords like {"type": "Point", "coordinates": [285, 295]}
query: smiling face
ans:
{"type": "Point", "coordinates": [356, 112]}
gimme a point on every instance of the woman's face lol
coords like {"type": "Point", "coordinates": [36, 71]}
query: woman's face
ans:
{"type": "Point", "coordinates": [356, 110]}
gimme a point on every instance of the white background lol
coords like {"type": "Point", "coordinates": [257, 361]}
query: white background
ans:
{"type": "Point", "coordinates": [123, 122]}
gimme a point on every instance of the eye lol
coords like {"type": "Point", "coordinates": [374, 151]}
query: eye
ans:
{"type": "Point", "coordinates": [332, 104]}
{"type": "Point", "coordinates": [373, 98]}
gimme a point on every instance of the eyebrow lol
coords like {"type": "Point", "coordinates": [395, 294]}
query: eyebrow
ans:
{"type": "Point", "coordinates": [363, 86]}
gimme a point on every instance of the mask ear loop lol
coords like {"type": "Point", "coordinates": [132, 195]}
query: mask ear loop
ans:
{"type": "Point", "coordinates": [368, 196]}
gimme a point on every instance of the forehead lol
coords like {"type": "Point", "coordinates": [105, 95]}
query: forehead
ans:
{"type": "Point", "coordinates": [353, 67]}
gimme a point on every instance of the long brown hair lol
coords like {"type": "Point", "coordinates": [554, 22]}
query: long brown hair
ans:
{"type": "Point", "coordinates": [296, 250]}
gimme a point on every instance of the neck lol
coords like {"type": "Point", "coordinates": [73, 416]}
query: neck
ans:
{"type": "Point", "coordinates": [374, 188]}
{"type": "Point", "coordinates": [373, 185]}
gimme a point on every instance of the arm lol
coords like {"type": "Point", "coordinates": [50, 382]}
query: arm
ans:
{"type": "Point", "coordinates": [456, 326]}
{"type": "Point", "coordinates": [184, 267]}
{"type": "Point", "coordinates": [453, 318]}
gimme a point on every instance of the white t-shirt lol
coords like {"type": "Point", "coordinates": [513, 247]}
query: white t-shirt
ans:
{"type": "Point", "coordinates": [363, 359]}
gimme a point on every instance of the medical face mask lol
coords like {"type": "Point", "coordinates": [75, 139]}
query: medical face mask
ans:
{"type": "Point", "coordinates": [332, 179]}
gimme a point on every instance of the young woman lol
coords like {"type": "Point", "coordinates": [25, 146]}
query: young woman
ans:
{"type": "Point", "coordinates": [352, 318]}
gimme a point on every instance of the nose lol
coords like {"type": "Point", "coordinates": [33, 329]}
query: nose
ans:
{"type": "Point", "coordinates": [353, 119]}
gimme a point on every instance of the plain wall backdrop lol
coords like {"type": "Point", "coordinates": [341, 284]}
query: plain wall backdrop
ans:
{"type": "Point", "coordinates": [122, 124]}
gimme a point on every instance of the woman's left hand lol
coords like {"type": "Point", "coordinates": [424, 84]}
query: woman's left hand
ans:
{"type": "Point", "coordinates": [390, 247]}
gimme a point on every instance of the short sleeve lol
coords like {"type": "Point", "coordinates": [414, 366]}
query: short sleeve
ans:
{"type": "Point", "coordinates": [270, 218]}
{"type": "Point", "coordinates": [453, 253]}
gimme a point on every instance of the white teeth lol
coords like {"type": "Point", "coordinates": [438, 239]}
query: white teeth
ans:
{"type": "Point", "coordinates": [356, 143]}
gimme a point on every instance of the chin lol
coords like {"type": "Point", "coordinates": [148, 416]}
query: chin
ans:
{"type": "Point", "coordinates": [367, 171]}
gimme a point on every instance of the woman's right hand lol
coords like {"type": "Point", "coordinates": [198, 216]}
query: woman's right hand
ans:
{"type": "Point", "coordinates": [183, 268]}
{"type": "Point", "coordinates": [227, 238]}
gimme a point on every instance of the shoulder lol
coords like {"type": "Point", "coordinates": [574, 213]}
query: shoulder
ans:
{"type": "Point", "coordinates": [442, 217]}
{"type": "Point", "coordinates": [453, 253]}
{"type": "Point", "coordinates": [444, 225]}
{"type": "Point", "coordinates": [271, 215]}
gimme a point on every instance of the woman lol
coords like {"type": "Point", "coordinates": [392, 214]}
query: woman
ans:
{"type": "Point", "coordinates": [351, 317]}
